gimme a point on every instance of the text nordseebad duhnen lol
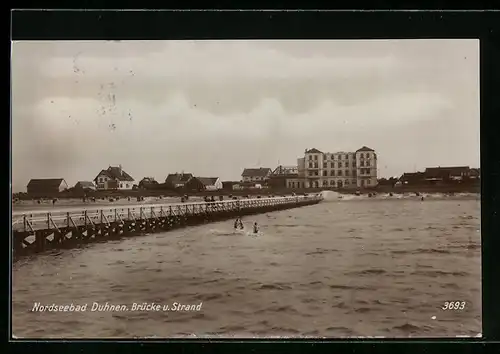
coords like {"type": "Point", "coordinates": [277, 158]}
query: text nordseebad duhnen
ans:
{"type": "Point", "coordinates": [110, 307]}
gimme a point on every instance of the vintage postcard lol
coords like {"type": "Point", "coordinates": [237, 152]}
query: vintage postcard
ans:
{"type": "Point", "coordinates": [222, 189]}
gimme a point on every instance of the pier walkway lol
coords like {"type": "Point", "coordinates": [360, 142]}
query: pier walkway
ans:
{"type": "Point", "coordinates": [37, 231]}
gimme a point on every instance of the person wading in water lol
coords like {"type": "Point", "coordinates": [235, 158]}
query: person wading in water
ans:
{"type": "Point", "coordinates": [238, 224]}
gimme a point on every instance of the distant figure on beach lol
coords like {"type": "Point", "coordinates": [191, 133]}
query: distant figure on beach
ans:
{"type": "Point", "coordinates": [54, 201]}
{"type": "Point", "coordinates": [422, 199]}
{"type": "Point", "coordinates": [255, 228]}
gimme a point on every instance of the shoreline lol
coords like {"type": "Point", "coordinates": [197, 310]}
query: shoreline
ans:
{"type": "Point", "coordinates": [134, 194]}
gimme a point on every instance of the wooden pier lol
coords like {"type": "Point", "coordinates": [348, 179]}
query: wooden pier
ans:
{"type": "Point", "coordinates": [39, 231]}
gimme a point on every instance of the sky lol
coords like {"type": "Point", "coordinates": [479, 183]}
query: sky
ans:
{"type": "Point", "coordinates": [213, 108]}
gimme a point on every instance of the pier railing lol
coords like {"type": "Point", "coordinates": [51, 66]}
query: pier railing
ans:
{"type": "Point", "coordinates": [61, 218]}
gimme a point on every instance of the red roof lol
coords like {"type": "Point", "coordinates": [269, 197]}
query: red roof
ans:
{"type": "Point", "coordinates": [365, 148]}
{"type": "Point", "coordinates": [446, 171]}
{"type": "Point", "coordinates": [207, 181]}
{"type": "Point", "coordinates": [47, 183]}
{"type": "Point", "coordinates": [178, 178]}
{"type": "Point", "coordinates": [256, 172]}
{"type": "Point", "coordinates": [313, 151]}
{"type": "Point", "coordinates": [115, 173]}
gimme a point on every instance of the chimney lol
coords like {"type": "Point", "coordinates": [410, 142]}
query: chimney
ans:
{"type": "Point", "coordinates": [120, 169]}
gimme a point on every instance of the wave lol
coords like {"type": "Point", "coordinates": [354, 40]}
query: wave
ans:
{"type": "Point", "coordinates": [331, 196]}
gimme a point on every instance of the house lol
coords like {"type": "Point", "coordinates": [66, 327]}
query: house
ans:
{"type": "Point", "coordinates": [177, 180]}
{"type": "Point", "coordinates": [282, 175]}
{"type": "Point", "coordinates": [248, 185]}
{"type": "Point", "coordinates": [85, 185]}
{"type": "Point", "coordinates": [228, 185]}
{"type": "Point", "coordinates": [204, 184]}
{"type": "Point", "coordinates": [412, 178]}
{"type": "Point", "coordinates": [46, 186]}
{"type": "Point", "coordinates": [114, 178]}
{"type": "Point", "coordinates": [340, 169]}
{"type": "Point", "coordinates": [256, 174]}
{"type": "Point", "coordinates": [475, 173]}
{"type": "Point", "coordinates": [446, 174]}
{"type": "Point", "coordinates": [148, 183]}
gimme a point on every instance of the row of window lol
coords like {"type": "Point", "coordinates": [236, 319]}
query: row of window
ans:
{"type": "Point", "coordinates": [332, 165]}
{"type": "Point", "coordinates": [105, 179]}
{"type": "Point", "coordinates": [333, 173]}
{"type": "Point", "coordinates": [339, 164]}
{"type": "Point", "coordinates": [332, 183]}
{"type": "Point", "coordinates": [340, 157]}
{"type": "Point", "coordinates": [363, 171]}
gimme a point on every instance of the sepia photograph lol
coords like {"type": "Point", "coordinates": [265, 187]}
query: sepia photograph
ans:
{"type": "Point", "coordinates": [245, 189]}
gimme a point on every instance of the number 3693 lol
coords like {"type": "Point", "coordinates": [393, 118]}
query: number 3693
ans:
{"type": "Point", "coordinates": [454, 305]}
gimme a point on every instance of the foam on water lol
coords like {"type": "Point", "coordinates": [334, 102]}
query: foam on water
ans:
{"type": "Point", "coordinates": [331, 196]}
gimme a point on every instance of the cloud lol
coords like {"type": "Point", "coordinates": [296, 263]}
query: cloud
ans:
{"type": "Point", "coordinates": [215, 107]}
{"type": "Point", "coordinates": [233, 60]}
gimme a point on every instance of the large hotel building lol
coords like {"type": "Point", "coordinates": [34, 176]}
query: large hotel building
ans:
{"type": "Point", "coordinates": [336, 170]}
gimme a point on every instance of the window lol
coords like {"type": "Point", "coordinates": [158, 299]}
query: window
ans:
{"type": "Point", "coordinates": [340, 172]}
{"type": "Point", "coordinates": [100, 179]}
{"type": "Point", "coordinates": [325, 173]}
{"type": "Point", "coordinates": [353, 164]}
{"type": "Point", "coordinates": [333, 165]}
{"type": "Point", "coordinates": [310, 157]}
{"type": "Point", "coordinates": [346, 182]}
{"type": "Point", "coordinates": [324, 164]}
{"type": "Point", "coordinates": [127, 185]}
{"type": "Point", "coordinates": [362, 163]}
{"type": "Point", "coordinates": [362, 155]}
{"type": "Point", "coordinates": [346, 157]}
{"type": "Point", "coordinates": [339, 165]}
{"type": "Point", "coordinates": [315, 165]}
{"type": "Point", "coordinates": [325, 183]}
{"type": "Point", "coordinates": [121, 185]}
{"type": "Point", "coordinates": [332, 173]}
{"type": "Point", "coordinates": [367, 181]}
{"type": "Point", "coordinates": [315, 173]}
{"type": "Point", "coordinates": [316, 157]}
{"type": "Point", "coordinates": [347, 172]}
{"type": "Point", "coordinates": [346, 164]}
{"type": "Point", "coordinates": [310, 165]}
